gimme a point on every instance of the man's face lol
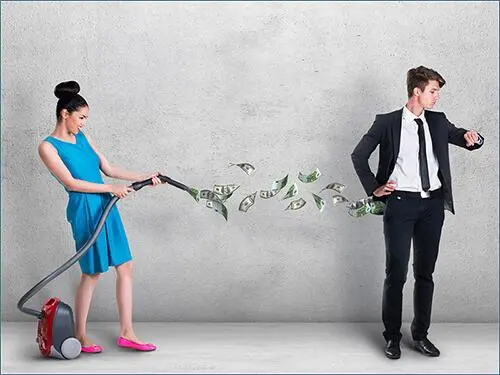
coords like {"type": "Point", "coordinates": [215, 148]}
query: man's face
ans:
{"type": "Point", "coordinates": [429, 96]}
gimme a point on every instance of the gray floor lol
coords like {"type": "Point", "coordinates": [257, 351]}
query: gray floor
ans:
{"type": "Point", "coordinates": [259, 348]}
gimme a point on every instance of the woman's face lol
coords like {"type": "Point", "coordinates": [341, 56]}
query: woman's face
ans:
{"type": "Point", "coordinates": [75, 121]}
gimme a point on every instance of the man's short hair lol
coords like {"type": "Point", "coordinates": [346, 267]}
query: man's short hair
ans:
{"type": "Point", "coordinates": [420, 77]}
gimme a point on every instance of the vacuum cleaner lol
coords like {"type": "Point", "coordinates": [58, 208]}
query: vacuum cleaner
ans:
{"type": "Point", "coordinates": [56, 327]}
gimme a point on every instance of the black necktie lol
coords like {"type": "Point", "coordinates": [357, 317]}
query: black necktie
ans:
{"type": "Point", "coordinates": [422, 157]}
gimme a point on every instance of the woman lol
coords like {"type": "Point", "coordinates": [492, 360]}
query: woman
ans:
{"type": "Point", "coordinates": [74, 160]}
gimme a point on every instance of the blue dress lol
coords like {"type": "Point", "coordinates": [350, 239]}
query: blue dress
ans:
{"type": "Point", "coordinates": [84, 209]}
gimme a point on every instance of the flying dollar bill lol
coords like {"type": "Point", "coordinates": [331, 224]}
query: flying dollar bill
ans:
{"type": "Point", "coordinates": [247, 202]}
{"type": "Point", "coordinates": [275, 188]}
{"type": "Point", "coordinates": [337, 199]}
{"type": "Point", "coordinates": [359, 203]}
{"type": "Point", "coordinates": [377, 208]}
{"type": "Point", "coordinates": [365, 206]}
{"type": "Point", "coordinates": [311, 177]}
{"type": "Point", "coordinates": [360, 211]}
{"type": "Point", "coordinates": [225, 189]}
{"type": "Point", "coordinates": [210, 195]}
{"type": "Point", "coordinates": [359, 208]}
{"type": "Point", "coordinates": [223, 198]}
{"type": "Point", "coordinates": [320, 202]}
{"type": "Point", "coordinates": [207, 194]}
{"type": "Point", "coordinates": [338, 187]}
{"type": "Point", "coordinates": [246, 167]}
{"type": "Point", "coordinates": [265, 194]}
{"type": "Point", "coordinates": [217, 207]}
{"type": "Point", "coordinates": [296, 204]}
{"type": "Point", "coordinates": [292, 191]}
{"type": "Point", "coordinates": [204, 194]}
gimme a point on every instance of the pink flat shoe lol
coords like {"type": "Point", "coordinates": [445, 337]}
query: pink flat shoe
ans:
{"type": "Point", "coordinates": [124, 343]}
{"type": "Point", "coordinates": [94, 349]}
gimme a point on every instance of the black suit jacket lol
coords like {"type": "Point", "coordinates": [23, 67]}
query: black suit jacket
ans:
{"type": "Point", "coordinates": [386, 133]}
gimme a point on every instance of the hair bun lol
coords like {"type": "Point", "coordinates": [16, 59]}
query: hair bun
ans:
{"type": "Point", "coordinates": [67, 89]}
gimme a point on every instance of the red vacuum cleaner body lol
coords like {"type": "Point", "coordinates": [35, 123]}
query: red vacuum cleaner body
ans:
{"type": "Point", "coordinates": [56, 329]}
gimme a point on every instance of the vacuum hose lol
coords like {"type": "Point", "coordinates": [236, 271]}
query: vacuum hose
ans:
{"type": "Point", "coordinates": [83, 250]}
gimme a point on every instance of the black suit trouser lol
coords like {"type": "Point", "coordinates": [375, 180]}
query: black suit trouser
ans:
{"type": "Point", "coordinates": [409, 218]}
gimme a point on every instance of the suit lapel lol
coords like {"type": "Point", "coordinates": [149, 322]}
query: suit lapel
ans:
{"type": "Point", "coordinates": [433, 130]}
{"type": "Point", "coordinates": [396, 134]}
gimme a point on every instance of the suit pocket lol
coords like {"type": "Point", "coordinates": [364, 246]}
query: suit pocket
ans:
{"type": "Point", "coordinates": [392, 204]}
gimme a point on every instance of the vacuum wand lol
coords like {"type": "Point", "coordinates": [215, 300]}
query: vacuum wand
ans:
{"type": "Point", "coordinates": [192, 191]}
{"type": "Point", "coordinates": [140, 184]}
{"type": "Point", "coordinates": [83, 250]}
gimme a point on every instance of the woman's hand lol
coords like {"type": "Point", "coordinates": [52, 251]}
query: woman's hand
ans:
{"type": "Point", "coordinates": [154, 178]}
{"type": "Point", "coordinates": [120, 191]}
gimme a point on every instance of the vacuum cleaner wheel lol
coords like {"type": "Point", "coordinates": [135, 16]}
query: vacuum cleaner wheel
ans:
{"type": "Point", "coordinates": [71, 348]}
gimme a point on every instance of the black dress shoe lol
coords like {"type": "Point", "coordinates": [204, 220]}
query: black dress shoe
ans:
{"type": "Point", "coordinates": [392, 350]}
{"type": "Point", "coordinates": [426, 347]}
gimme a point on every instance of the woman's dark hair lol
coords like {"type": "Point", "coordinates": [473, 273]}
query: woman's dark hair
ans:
{"type": "Point", "coordinates": [420, 77]}
{"type": "Point", "coordinates": [67, 92]}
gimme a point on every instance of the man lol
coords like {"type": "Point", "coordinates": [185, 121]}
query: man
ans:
{"type": "Point", "coordinates": [414, 180]}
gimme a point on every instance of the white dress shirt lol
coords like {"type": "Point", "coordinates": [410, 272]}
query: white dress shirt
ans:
{"type": "Point", "coordinates": [406, 172]}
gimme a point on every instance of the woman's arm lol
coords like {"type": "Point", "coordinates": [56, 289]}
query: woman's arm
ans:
{"type": "Point", "coordinates": [53, 162]}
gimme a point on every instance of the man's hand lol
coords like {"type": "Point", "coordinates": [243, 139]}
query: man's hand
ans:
{"type": "Point", "coordinates": [385, 189]}
{"type": "Point", "coordinates": [471, 137]}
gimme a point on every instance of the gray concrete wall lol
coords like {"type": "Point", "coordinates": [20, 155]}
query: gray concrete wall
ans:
{"type": "Point", "coordinates": [186, 88]}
